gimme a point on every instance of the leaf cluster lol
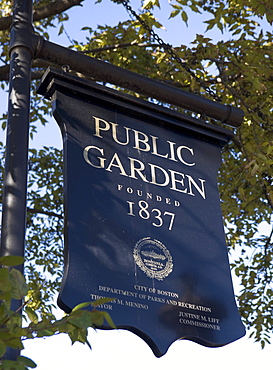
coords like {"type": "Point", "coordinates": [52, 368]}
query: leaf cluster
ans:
{"type": "Point", "coordinates": [13, 333]}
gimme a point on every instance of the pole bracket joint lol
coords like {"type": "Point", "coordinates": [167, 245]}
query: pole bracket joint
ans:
{"type": "Point", "coordinates": [21, 35]}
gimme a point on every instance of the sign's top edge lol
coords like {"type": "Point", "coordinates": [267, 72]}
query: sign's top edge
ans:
{"type": "Point", "coordinates": [58, 80]}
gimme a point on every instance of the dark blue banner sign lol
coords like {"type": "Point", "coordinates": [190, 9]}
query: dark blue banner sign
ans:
{"type": "Point", "coordinates": [143, 222]}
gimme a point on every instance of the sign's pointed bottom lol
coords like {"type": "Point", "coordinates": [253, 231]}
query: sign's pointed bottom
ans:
{"type": "Point", "coordinates": [162, 349]}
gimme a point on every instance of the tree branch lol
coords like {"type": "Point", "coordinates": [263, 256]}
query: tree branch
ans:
{"type": "Point", "coordinates": [267, 195]}
{"type": "Point", "coordinates": [37, 63]}
{"type": "Point", "coordinates": [119, 46]}
{"type": "Point", "coordinates": [47, 213]}
{"type": "Point", "coordinates": [46, 11]}
{"type": "Point", "coordinates": [55, 8]}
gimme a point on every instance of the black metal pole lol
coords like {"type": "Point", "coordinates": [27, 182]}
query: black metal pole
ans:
{"type": "Point", "coordinates": [15, 180]}
{"type": "Point", "coordinates": [102, 71]}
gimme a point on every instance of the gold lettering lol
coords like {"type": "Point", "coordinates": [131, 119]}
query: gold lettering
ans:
{"type": "Point", "coordinates": [154, 145]}
{"type": "Point", "coordinates": [144, 141]}
{"type": "Point", "coordinates": [180, 157]}
{"type": "Point", "coordinates": [114, 134]}
{"type": "Point", "coordinates": [174, 180]}
{"type": "Point", "coordinates": [192, 182]}
{"type": "Point", "coordinates": [115, 162]}
{"type": "Point", "coordinates": [154, 177]}
{"type": "Point", "coordinates": [86, 156]}
{"type": "Point", "coordinates": [99, 128]}
{"type": "Point", "coordinates": [138, 170]}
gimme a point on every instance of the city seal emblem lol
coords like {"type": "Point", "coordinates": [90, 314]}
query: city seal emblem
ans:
{"type": "Point", "coordinates": [153, 258]}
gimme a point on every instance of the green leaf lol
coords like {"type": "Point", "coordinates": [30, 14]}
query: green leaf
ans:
{"type": "Point", "coordinates": [101, 301]}
{"type": "Point", "coordinates": [148, 4]}
{"type": "Point", "coordinates": [242, 193]}
{"type": "Point", "coordinates": [2, 348]}
{"type": "Point", "coordinates": [14, 343]}
{"type": "Point", "coordinates": [269, 149]}
{"type": "Point", "coordinates": [211, 24]}
{"type": "Point", "coordinates": [109, 319]}
{"type": "Point", "coordinates": [270, 193]}
{"type": "Point", "coordinates": [19, 287]}
{"type": "Point", "coordinates": [97, 318]}
{"type": "Point", "coordinates": [2, 311]}
{"type": "Point", "coordinates": [81, 306]}
{"type": "Point", "coordinates": [27, 362]}
{"type": "Point", "coordinates": [174, 13]}
{"type": "Point", "coordinates": [254, 169]}
{"type": "Point", "coordinates": [5, 283]}
{"type": "Point", "coordinates": [45, 333]}
{"type": "Point", "coordinates": [184, 16]}
{"type": "Point", "coordinates": [61, 30]}
{"type": "Point", "coordinates": [78, 335]}
{"type": "Point", "coordinates": [12, 365]}
{"type": "Point", "coordinates": [31, 315]}
{"type": "Point", "coordinates": [81, 318]}
{"type": "Point", "coordinates": [11, 260]}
